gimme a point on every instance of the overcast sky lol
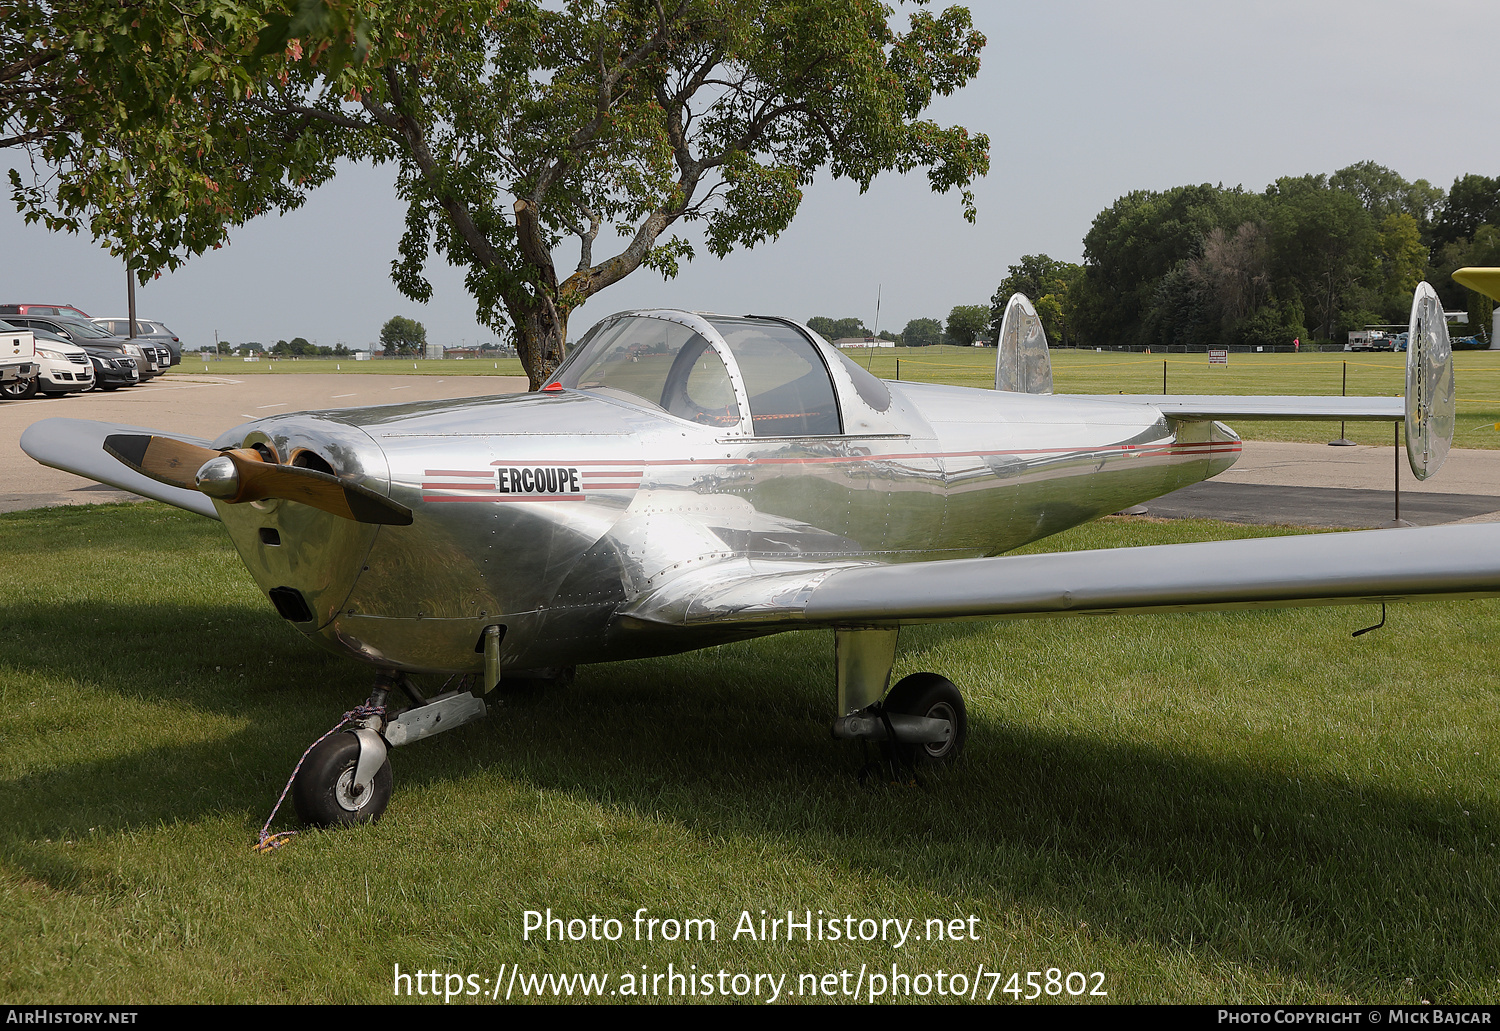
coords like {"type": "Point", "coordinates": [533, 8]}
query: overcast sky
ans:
{"type": "Point", "coordinates": [1083, 102]}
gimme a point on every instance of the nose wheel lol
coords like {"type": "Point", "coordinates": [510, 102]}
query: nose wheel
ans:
{"type": "Point", "coordinates": [327, 791]}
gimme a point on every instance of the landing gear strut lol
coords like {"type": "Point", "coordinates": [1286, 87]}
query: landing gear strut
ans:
{"type": "Point", "coordinates": [920, 722]}
{"type": "Point", "coordinates": [346, 777]}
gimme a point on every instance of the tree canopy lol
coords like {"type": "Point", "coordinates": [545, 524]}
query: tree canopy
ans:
{"type": "Point", "coordinates": [968, 322]}
{"type": "Point", "coordinates": [1327, 253]}
{"type": "Point", "coordinates": [837, 329]}
{"type": "Point", "coordinates": [401, 335]}
{"type": "Point", "coordinates": [135, 115]}
{"type": "Point", "coordinates": [517, 132]}
{"type": "Point", "coordinates": [922, 333]}
{"type": "Point", "coordinates": [1045, 282]}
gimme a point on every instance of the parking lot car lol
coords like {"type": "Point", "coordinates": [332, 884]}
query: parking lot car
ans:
{"type": "Point", "coordinates": [112, 369]}
{"type": "Point", "coordinates": [18, 366]}
{"type": "Point", "coordinates": [147, 331]}
{"type": "Point", "coordinates": [42, 309]}
{"type": "Point", "coordinates": [63, 368]}
{"type": "Point", "coordinates": [149, 358]}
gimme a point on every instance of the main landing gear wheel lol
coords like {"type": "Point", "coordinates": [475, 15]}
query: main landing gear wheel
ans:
{"type": "Point", "coordinates": [325, 793]}
{"type": "Point", "coordinates": [927, 694]}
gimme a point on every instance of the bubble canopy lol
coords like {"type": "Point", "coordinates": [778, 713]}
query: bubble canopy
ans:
{"type": "Point", "coordinates": [711, 369]}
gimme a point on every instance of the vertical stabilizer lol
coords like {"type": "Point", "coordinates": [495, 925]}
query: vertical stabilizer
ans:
{"type": "Point", "coordinates": [1430, 401]}
{"type": "Point", "coordinates": [1022, 365]}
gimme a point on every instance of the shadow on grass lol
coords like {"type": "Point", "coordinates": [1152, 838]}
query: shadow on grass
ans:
{"type": "Point", "coordinates": [1348, 882]}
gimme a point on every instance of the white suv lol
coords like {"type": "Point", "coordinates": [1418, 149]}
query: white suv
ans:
{"type": "Point", "coordinates": [64, 368]}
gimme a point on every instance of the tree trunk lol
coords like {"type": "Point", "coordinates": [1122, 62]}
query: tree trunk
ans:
{"type": "Point", "coordinates": [541, 333]}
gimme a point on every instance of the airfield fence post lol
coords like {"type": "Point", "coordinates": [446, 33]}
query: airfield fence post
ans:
{"type": "Point", "coordinates": [1343, 440]}
{"type": "Point", "coordinates": [898, 370]}
{"type": "Point", "coordinates": [1163, 375]}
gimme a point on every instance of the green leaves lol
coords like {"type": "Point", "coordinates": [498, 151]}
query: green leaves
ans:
{"type": "Point", "coordinates": [401, 335]}
{"type": "Point", "coordinates": [513, 126]}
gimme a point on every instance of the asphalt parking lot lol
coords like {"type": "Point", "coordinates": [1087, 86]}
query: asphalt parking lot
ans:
{"type": "Point", "coordinates": [201, 406]}
{"type": "Point", "coordinates": [1292, 484]}
{"type": "Point", "coordinates": [1315, 485]}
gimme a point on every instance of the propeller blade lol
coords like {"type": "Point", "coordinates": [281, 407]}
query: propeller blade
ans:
{"type": "Point", "coordinates": [169, 461]}
{"type": "Point", "coordinates": [259, 480]}
{"type": "Point", "coordinates": [244, 475]}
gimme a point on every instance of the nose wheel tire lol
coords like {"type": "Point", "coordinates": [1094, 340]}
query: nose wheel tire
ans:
{"type": "Point", "coordinates": [324, 792]}
{"type": "Point", "coordinates": [927, 694]}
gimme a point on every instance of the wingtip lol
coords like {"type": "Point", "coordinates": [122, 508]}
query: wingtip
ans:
{"type": "Point", "coordinates": [1481, 280]}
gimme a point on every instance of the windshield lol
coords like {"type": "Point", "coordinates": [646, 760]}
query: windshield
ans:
{"type": "Point", "coordinates": [84, 329]}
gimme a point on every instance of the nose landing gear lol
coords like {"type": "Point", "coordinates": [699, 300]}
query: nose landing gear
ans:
{"type": "Point", "coordinates": [345, 778]}
{"type": "Point", "coordinates": [332, 790]}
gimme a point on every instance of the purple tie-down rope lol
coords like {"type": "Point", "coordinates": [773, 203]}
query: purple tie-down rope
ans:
{"type": "Point", "coordinates": [270, 842]}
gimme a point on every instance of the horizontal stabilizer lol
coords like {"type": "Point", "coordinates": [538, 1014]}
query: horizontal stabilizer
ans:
{"type": "Point", "coordinates": [1484, 280]}
{"type": "Point", "coordinates": [1203, 407]}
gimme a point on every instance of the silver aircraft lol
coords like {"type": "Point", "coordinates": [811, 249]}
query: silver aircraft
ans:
{"type": "Point", "coordinates": [687, 479]}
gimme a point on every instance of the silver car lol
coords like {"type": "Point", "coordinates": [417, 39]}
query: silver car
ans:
{"type": "Point", "coordinates": [146, 331]}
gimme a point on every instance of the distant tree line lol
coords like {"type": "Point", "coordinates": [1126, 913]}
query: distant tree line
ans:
{"type": "Point", "coordinates": [966, 324]}
{"type": "Point", "coordinates": [297, 347]}
{"type": "Point", "coordinates": [1311, 257]}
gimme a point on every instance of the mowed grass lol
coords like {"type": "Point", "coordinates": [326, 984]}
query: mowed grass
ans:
{"type": "Point", "coordinates": [1244, 807]}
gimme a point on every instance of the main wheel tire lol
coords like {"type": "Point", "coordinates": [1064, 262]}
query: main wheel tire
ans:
{"type": "Point", "coordinates": [19, 389]}
{"type": "Point", "coordinates": [323, 792]}
{"type": "Point", "coordinates": [927, 694]}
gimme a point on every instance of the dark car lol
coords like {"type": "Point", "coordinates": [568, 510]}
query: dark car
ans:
{"type": "Point", "coordinates": [149, 359]}
{"type": "Point", "coordinates": [112, 369]}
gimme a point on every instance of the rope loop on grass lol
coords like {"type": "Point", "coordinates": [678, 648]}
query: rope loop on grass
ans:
{"type": "Point", "coordinates": [268, 842]}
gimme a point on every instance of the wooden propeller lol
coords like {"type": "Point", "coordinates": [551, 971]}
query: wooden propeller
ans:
{"type": "Point", "coordinates": [243, 474]}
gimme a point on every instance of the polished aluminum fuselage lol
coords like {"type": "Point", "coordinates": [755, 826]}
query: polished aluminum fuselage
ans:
{"type": "Point", "coordinates": [550, 514]}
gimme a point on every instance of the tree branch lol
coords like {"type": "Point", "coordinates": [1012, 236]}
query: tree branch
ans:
{"type": "Point", "coordinates": [321, 114]}
{"type": "Point", "coordinates": [27, 64]}
{"type": "Point", "coordinates": [409, 132]}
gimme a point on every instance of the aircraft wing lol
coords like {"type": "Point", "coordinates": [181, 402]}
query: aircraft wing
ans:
{"type": "Point", "coordinates": [77, 446]}
{"type": "Point", "coordinates": [1196, 407]}
{"type": "Point", "coordinates": [1265, 572]}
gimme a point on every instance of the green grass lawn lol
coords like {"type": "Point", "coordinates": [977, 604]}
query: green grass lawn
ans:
{"type": "Point", "coordinates": [1227, 807]}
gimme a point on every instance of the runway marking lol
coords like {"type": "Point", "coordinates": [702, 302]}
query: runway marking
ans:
{"type": "Point", "coordinates": [345, 395]}
{"type": "Point", "coordinates": [407, 387]}
{"type": "Point", "coordinates": [278, 404]}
